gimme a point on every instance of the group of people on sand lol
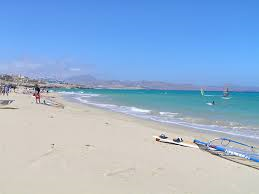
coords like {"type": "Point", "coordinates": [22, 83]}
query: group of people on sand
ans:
{"type": "Point", "coordinates": [5, 90]}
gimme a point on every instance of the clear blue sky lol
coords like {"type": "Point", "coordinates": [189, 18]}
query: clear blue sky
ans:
{"type": "Point", "coordinates": [184, 41]}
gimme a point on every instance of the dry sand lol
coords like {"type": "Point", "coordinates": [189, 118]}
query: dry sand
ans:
{"type": "Point", "coordinates": [82, 149]}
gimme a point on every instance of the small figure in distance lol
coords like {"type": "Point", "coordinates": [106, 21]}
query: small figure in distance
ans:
{"type": "Point", "coordinates": [6, 90]}
{"type": "Point", "coordinates": [37, 94]}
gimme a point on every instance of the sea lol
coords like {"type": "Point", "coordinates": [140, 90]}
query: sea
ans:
{"type": "Point", "coordinates": [237, 114]}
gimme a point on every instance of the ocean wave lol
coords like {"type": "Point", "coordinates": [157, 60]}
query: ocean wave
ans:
{"type": "Point", "coordinates": [82, 94]}
{"type": "Point", "coordinates": [81, 100]}
{"type": "Point", "coordinates": [84, 101]}
{"type": "Point", "coordinates": [170, 114]}
{"type": "Point", "coordinates": [134, 109]}
{"type": "Point", "coordinates": [89, 95]}
{"type": "Point", "coordinates": [63, 92]}
{"type": "Point", "coordinates": [252, 133]}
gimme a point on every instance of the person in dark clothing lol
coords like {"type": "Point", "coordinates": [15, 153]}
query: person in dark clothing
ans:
{"type": "Point", "coordinates": [37, 89]}
{"type": "Point", "coordinates": [37, 94]}
{"type": "Point", "coordinates": [14, 87]}
{"type": "Point", "coordinates": [6, 90]}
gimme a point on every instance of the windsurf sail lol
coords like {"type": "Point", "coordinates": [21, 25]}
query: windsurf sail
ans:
{"type": "Point", "coordinates": [230, 148]}
{"type": "Point", "coordinates": [202, 92]}
{"type": "Point", "coordinates": [226, 93]}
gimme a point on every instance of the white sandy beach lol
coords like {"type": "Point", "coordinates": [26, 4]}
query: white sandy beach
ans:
{"type": "Point", "coordinates": [97, 151]}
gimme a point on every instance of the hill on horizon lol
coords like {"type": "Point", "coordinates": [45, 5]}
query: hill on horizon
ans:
{"type": "Point", "coordinates": [91, 81]}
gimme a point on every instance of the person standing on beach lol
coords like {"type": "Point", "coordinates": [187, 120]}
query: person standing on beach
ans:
{"type": "Point", "coordinates": [13, 87]}
{"type": "Point", "coordinates": [6, 90]}
{"type": "Point", "coordinates": [37, 94]}
{"type": "Point", "coordinates": [37, 89]}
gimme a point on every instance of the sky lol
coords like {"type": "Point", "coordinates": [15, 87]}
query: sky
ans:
{"type": "Point", "coordinates": [201, 42]}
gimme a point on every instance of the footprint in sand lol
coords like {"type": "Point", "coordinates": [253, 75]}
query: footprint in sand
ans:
{"type": "Point", "coordinates": [53, 155]}
{"type": "Point", "coordinates": [122, 173]}
{"type": "Point", "coordinates": [89, 147]}
{"type": "Point", "coordinates": [49, 152]}
{"type": "Point", "coordinates": [157, 171]}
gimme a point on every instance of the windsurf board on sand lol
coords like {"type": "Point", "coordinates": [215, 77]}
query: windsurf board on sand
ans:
{"type": "Point", "coordinates": [170, 141]}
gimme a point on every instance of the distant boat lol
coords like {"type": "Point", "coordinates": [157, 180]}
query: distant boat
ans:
{"type": "Point", "coordinates": [202, 92]}
{"type": "Point", "coordinates": [226, 93]}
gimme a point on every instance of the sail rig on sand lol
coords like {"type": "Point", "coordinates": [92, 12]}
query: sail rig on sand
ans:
{"type": "Point", "coordinates": [232, 150]}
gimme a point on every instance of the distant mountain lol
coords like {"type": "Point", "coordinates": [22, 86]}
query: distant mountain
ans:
{"type": "Point", "coordinates": [92, 82]}
{"type": "Point", "coordinates": [82, 80]}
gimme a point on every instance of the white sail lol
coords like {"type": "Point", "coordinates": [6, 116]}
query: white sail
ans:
{"type": "Point", "coordinates": [226, 93]}
{"type": "Point", "coordinates": [202, 92]}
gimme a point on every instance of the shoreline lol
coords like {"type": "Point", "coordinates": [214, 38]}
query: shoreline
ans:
{"type": "Point", "coordinates": [173, 128]}
{"type": "Point", "coordinates": [46, 149]}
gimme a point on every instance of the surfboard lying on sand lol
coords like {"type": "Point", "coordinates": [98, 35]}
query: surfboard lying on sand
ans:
{"type": "Point", "coordinates": [170, 141]}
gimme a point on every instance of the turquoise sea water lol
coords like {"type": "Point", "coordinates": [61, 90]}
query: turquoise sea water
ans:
{"type": "Point", "coordinates": [236, 115]}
